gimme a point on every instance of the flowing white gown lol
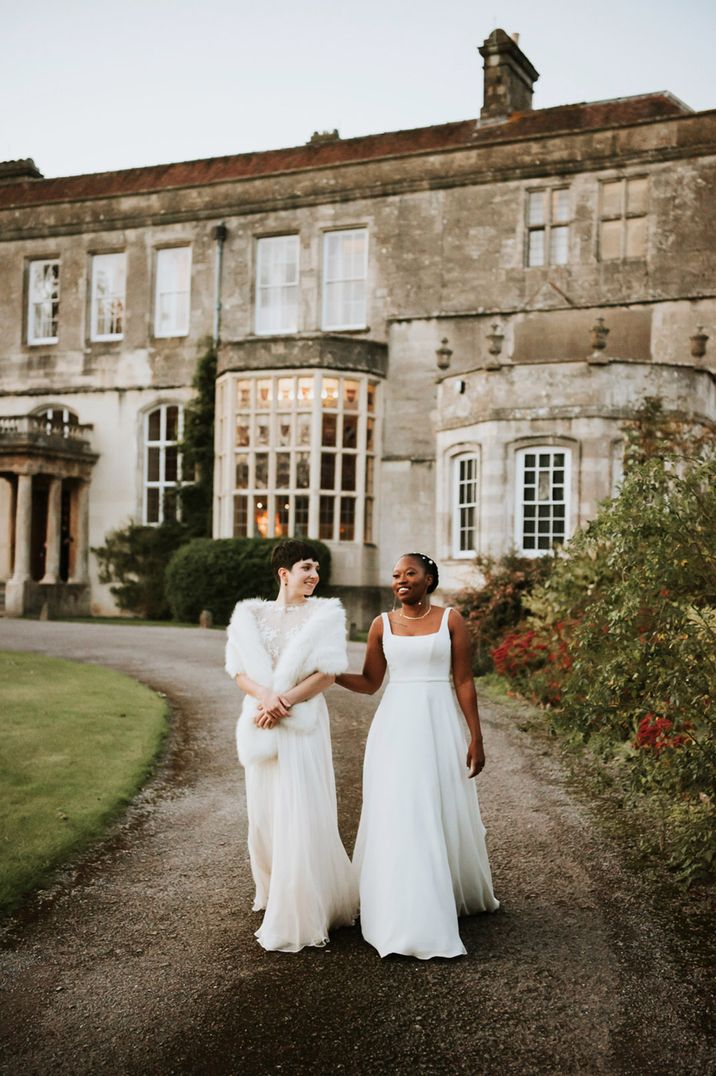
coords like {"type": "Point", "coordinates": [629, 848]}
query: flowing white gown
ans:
{"type": "Point", "coordinates": [303, 876]}
{"type": "Point", "coordinates": [420, 850]}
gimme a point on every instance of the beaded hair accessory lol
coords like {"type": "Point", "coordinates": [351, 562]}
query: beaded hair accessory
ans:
{"type": "Point", "coordinates": [423, 556]}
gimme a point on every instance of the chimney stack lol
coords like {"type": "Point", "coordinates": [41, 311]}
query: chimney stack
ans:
{"type": "Point", "coordinates": [509, 77]}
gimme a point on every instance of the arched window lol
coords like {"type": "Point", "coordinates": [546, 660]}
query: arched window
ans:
{"type": "Point", "coordinates": [542, 507]}
{"type": "Point", "coordinates": [163, 431]}
{"type": "Point", "coordinates": [57, 419]}
{"type": "Point", "coordinates": [464, 505]}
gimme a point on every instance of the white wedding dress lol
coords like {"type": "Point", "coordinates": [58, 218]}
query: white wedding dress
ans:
{"type": "Point", "coordinates": [304, 878]}
{"type": "Point", "coordinates": [420, 850]}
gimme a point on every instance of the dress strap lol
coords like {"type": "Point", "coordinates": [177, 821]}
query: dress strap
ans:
{"type": "Point", "coordinates": [446, 617]}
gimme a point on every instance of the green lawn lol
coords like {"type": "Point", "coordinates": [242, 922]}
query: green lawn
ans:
{"type": "Point", "coordinates": [76, 743]}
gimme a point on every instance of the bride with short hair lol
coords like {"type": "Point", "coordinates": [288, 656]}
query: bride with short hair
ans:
{"type": "Point", "coordinates": [283, 654]}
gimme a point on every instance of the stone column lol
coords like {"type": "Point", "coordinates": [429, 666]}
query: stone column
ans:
{"type": "Point", "coordinates": [52, 534]}
{"type": "Point", "coordinates": [16, 585]}
{"type": "Point", "coordinates": [81, 536]}
{"type": "Point", "coordinates": [23, 528]}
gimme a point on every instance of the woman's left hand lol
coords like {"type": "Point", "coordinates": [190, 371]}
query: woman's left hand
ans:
{"type": "Point", "coordinates": [475, 757]}
{"type": "Point", "coordinates": [264, 720]}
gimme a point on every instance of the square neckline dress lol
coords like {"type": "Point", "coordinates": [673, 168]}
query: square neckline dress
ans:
{"type": "Point", "coordinates": [420, 852]}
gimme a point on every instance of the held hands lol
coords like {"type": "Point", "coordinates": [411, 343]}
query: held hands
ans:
{"type": "Point", "coordinates": [271, 709]}
{"type": "Point", "coordinates": [475, 757]}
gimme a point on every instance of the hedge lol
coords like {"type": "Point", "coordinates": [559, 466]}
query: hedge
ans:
{"type": "Point", "coordinates": [215, 573]}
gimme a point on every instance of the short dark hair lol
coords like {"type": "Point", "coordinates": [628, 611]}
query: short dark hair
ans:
{"type": "Point", "coordinates": [430, 567]}
{"type": "Point", "coordinates": [288, 552]}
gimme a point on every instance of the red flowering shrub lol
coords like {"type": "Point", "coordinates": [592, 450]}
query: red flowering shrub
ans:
{"type": "Point", "coordinates": [535, 662]}
{"type": "Point", "coordinates": [655, 734]}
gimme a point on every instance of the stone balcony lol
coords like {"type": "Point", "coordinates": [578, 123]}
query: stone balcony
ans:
{"type": "Point", "coordinates": [34, 444]}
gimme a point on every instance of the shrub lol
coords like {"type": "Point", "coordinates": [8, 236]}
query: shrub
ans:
{"type": "Point", "coordinates": [195, 498]}
{"type": "Point", "coordinates": [498, 603]}
{"type": "Point", "coordinates": [215, 573]}
{"type": "Point", "coordinates": [133, 560]}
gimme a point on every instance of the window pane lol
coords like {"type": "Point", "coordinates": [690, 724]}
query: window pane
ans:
{"type": "Point", "coordinates": [559, 244]}
{"type": "Point", "coordinates": [344, 273]}
{"type": "Point", "coordinates": [346, 529]}
{"type": "Point", "coordinates": [262, 431]}
{"type": "Point", "coordinates": [371, 396]}
{"type": "Point", "coordinates": [303, 429]}
{"type": "Point", "coordinates": [351, 395]}
{"type": "Point", "coordinates": [348, 472]}
{"type": "Point", "coordinates": [152, 505]}
{"type": "Point", "coordinates": [283, 423]}
{"type": "Point", "coordinates": [560, 205]}
{"type": "Point", "coordinates": [535, 249]}
{"type": "Point", "coordinates": [328, 430]}
{"type": "Point", "coordinates": [325, 517]}
{"type": "Point", "coordinates": [242, 433]}
{"type": "Point", "coordinates": [300, 518]}
{"type": "Point", "coordinates": [261, 514]}
{"type": "Point", "coordinates": [370, 435]}
{"type": "Point", "coordinates": [243, 395]}
{"type": "Point", "coordinates": [171, 460]}
{"type": "Point", "coordinates": [281, 516]}
{"type": "Point", "coordinates": [241, 516]}
{"type": "Point", "coordinates": [350, 431]}
{"type": "Point", "coordinates": [173, 292]}
{"type": "Point", "coordinates": [305, 391]}
{"type": "Point", "coordinates": [328, 470]}
{"type": "Point", "coordinates": [329, 392]}
{"type": "Point", "coordinates": [285, 390]}
{"type": "Point", "coordinates": [636, 195]}
{"type": "Point", "coordinates": [153, 464]}
{"type": "Point", "coordinates": [154, 425]}
{"type": "Point", "coordinates": [535, 207]}
{"type": "Point", "coordinates": [242, 472]}
{"type": "Point", "coordinates": [612, 199]}
{"type": "Point", "coordinates": [369, 466]}
{"type": "Point", "coordinates": [263, 393]}
{"type": "Point", "coordinates": [283, 470]}
{"type": "Point", "coordinates": [172, 422]}
{"type": "Point", "coordinates": [261, 474]}
{"type": "Point", "coordinates": [277, 284]}
{"type": "Point", "coordinates": [636, 237]}
{"type": "Point", "coordinates": [108, 289]}
{"type": "Point", "coordinates": [368, 521]}
{"type": "Point", "coordinates": [44, 301]}
{"type": "Point", "coordinates": [303, 470]}
{"type": "Point", "coordinates": [610, 242]}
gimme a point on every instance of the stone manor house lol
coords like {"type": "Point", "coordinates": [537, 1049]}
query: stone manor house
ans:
{"type": "Point", "coordinates": [428, 339]}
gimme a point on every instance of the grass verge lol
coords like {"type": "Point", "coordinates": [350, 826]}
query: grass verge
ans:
{"type": "Point", "coordinates": [78, 742]}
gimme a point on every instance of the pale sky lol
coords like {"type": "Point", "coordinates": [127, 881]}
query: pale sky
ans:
{"type": "Point", "coordinates": [93, 85]}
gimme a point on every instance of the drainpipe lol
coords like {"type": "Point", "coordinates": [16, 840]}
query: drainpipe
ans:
{"type": "Point", "coordinates": [218, 234]}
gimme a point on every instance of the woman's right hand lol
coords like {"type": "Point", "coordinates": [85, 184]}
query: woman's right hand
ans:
{"type": "Point", "coordinates": [274, 706]}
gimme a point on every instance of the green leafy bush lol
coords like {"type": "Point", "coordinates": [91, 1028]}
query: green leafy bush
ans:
{"type": "Point", "coordinates": [133, 560]}
{"type": "Point", "coordinates": [497, 605]}
{"type": "Point", "coordinates": [195, 497]}
{"type": "Point", "coordinates": [215, 573]}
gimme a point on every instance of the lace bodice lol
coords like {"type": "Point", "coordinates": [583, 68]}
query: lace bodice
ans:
{"type": "Point", "coordinates": [279, 623]}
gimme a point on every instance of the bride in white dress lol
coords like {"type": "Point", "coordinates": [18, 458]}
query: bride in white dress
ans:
{"type": "Point", "coordinates": [420, 851]}
{"type": "Point", "coordinates": [283, 654]}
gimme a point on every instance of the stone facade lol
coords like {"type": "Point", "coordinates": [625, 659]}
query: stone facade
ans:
{"type": "Point", "coordinates": [465, 405]}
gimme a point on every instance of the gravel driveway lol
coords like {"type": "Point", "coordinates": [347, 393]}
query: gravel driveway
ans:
{"type": "Point", "coordinates": [143, 961]}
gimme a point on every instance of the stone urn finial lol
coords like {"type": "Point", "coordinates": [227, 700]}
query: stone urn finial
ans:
{"type": "Point", "coordinates": [444, 354]}
{"type": "Point", "coordinates": [598, 336]}
{"type": "Point", "coordinates": [698, 343]}
{"type": "Point", "coordinates": [496, 338]}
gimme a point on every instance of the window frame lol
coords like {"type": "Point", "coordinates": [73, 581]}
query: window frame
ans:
{"type": "Point", "coordinates": [95, 336]}
{"type": "Point", "coordinates": [158, 293]}
{"type": "Point", "coordinates": [548, 225]}
{"type": "Point", "coordinates": [262, 244]}
{"type": "Point", "coordinates": [521, 453]}
{"type": "Point", "coordinates": [456, 505]}
{"type": "Point", "coordinates": [278, 418]}
{"type": "Point", "coordinates": [328, 236]}
{"type": "Point", "coordinates": [623, 216]}
{"type": "Point", "coordinates": [162, 444]}
{"type": "Point", "coordinates": [39, 341]}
